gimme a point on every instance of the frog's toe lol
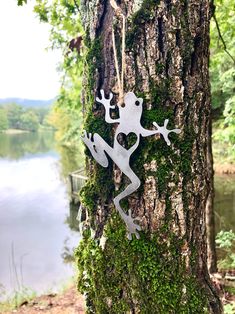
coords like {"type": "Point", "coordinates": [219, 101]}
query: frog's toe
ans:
{"type": "Point", "coordinates": [138, 228]}
{"type": "Point", "coordinates": [137, 235]}
{"type": "Point", "coordinates": [129, 236]}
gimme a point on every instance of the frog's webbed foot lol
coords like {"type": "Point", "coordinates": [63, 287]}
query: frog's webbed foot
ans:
{"type": "Point", "coordinates": [86, 138]}
{"type": "Point", "coordinates": [164, 131]}
{"type": "Point", "coordinates": [105, 101]}
{"type": "Point", "coordinates": [131, 226]}
{"type": "Point", "coordinates": [96, 147]}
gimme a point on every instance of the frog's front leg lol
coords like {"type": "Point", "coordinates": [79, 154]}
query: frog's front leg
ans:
{"type": "Point", "coordinates": [160, 130]}
{"type": "Point", "coordinates": [106, 102]}
{"type": "Point", "coordinates": [164, 131]}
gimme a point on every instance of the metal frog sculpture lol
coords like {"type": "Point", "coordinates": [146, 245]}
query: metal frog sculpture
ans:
{"type": "Point", "coordinates": [129, 122]}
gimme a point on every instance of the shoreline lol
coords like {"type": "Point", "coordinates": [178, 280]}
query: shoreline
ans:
{"type": "Point", "coordinates": [14, 131]}
{"type": "Point", "coordinates": [224, 168]}
{"type": "Point", "coordinates": [18, 131]}
{"type": "Point", "coordinates": [68, 301]}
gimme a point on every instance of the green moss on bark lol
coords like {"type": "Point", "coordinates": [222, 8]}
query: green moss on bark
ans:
{"type": "Point", "coordinates": [146, 274]}
{"type": "Point", "coordinates": [100, 184]}
{"type": "Point", "coordinates": [145, 13]}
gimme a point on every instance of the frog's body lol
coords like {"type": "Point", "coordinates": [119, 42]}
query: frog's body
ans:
{"type": "Point", "coordinates": [129, 122]}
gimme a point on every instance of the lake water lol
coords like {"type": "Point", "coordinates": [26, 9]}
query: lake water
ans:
{"type": "Point", "coordinates": [37, 226]}
{"type": "Point", "coordinates": [35, 234]}
{"type": "Point", "coordinates": [225, 202]}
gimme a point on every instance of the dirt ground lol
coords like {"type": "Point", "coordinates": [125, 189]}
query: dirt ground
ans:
{"type": "Point", "coordinates": [70, 302]}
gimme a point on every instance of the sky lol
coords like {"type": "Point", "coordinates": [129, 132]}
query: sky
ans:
{"type": "Point", "coordinates": [27, 70]}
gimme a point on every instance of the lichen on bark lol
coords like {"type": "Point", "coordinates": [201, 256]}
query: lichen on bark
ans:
{"type": "Point", "coordinates": [167, 64]}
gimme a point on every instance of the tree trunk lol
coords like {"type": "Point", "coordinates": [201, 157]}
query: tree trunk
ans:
{"type": "Point", "coordinates": [165, 271]}
{"type": "Point", "coordinates": [210, 219]}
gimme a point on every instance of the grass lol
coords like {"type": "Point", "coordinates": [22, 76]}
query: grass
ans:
{"type": "Point", "coordinates": [17, 299]}
{"type": "Point", "coordinates": [25, 295]}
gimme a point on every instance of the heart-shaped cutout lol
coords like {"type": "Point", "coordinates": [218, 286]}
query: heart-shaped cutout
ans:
{"type": "Point", "coordinates": [127, 140]}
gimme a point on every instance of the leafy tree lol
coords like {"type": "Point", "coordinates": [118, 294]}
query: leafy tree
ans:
{"type": "Point", "coordinates": [3, 119]}
{"type": "Point", "coordinates": [226, 242]}
{"type": "Point", "coordinates": [222, 72]}
{"type": "Point", "coordinates": [222, 64]}
{"type": "Point", "coordinates": [29, 121]}
{"type": "Point", "coordinates": [21, 2]}
{"type": "Point", "coordinates": [41, 113]}
{"type": "Point", "coordinates": [66, 35]}
{"type": "Point", "coordinates": [67, 122]}
{"type": "Point", "coordinates": [24, 118]}
{"type": "Point", "coordinates": [14, 113]}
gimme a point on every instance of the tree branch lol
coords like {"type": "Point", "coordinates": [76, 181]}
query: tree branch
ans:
{"type": "Point", "coordinates": [21, 2]}
{"type": "Point", "coordinates": [221, 37]}
{"type": "Point", "coordinates": [76, 5]}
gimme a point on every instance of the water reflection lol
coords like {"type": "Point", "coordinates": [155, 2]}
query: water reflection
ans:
{"type": "Point", "coordinates": [71, 220]}
{"type": "Point", "coordinates": [16, 146]}
{"type": "Point", "coordinates": [70, 160]}
{"type": "Point", "coordinates": [34, 207]}
{"type": "Point", "coordinates": [225, 202]}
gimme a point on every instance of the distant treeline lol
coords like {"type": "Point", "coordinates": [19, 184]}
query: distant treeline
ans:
{"type": "Point", "coordinates": [14, 116]}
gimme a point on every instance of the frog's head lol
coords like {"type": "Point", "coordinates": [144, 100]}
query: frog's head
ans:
{"type": "Point", "coordinates": [131, 100]}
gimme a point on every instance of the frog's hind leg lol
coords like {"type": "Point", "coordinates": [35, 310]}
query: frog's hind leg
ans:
{"type": "Point", "coordinates": [96, 147]}
{"type": "Point", "coordinates": [129, 221]}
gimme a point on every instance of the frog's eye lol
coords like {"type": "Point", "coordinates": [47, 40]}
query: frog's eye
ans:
{"type": "Point", "coordinates": [137, 103]}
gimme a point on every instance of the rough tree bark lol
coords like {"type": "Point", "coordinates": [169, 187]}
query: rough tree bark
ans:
{"type": "Point", "coordinates": [210, 219]}
{"type": "Point", "coordinates": [165, 271]}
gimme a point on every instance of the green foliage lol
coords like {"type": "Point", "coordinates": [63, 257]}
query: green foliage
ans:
{"type": "Point", "coordinates": [229, 113]}
{"type": "Point", "coordinates": [41, 113]}
{"type": "Point", "coordinates": [63, 17]}
{"type": "Point", "coordinates": [229, 308]}
{"type": "Point", "coordinates": [14, 116]}
{"type": "Point", "coordinates": [29, 121]}
{"type": "Point", "coordinates": [3, 120]}
{"type": "Point", "coordinates": [226, 241]}
{"type": "Point", "coordinates": [222, 74]}
{"type": "Point", "coordinates": [14, 113]}
{"type": "Point", "coordinates": [21, 2]}
{"type": "Point", "coordinates": [222, 67]}
{"type": "Point", "coordinates": [223, 142]}
{"type": "Point", "coordinates": [67, 122]}
{"type": "Point", "coordinates": [17, 146]}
